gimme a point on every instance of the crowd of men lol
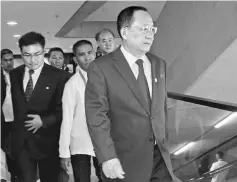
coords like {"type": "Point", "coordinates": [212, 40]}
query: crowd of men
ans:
{"type": "Point", "coordinates": [112, 109]}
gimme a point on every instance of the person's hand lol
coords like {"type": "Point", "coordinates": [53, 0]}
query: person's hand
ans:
{"type": "Point", "coordinates": [65, 163]}
{"type": "Point", "coordinates": [35, 123]}
{"type": "Point", "coordinates": [113, 169]}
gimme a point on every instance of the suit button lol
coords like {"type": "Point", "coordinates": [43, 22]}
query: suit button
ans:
{"type": "Point", "coordinates": [151, 118]}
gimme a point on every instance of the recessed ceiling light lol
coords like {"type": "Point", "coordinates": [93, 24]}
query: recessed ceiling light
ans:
{"type": "Point", "coordinates": [16, 36]}
{"type": "Point", "coordinates": [12, 23]}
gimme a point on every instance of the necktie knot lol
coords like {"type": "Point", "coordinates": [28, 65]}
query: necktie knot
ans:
{"type": "Point", "coordinates": [31, 72]}
{"type": "Point", "coordinates": [139, 62]}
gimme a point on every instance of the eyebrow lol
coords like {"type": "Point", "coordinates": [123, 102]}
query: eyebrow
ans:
{"type": "Point", "coordinates": [32, 53]}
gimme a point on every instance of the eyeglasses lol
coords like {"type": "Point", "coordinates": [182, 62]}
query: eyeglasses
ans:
{"type": "Point", "coordinates": [30, 56]}
{"type": "Point", "coordinates": [146, 29]}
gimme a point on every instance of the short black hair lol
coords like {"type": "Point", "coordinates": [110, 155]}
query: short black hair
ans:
{"type": "Point", "coordinates": [104, 30]}
{"type": "Point", "coordinates": [31, 38]}
{"type": "Point", "coordinates": [221, 154]}
{"type": "Point", "coordinates": [55, 49]}
{"type": "Point", "coordinates": [80, 43]}
{"type": "Point", "coordinates": [5, 51]}
{"type": "Point", "coordinates": [125, 17]}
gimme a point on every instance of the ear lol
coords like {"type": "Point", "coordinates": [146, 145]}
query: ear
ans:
{"type": "Point", "coordinates": [124, 33]}
{"type": "Point", "coordinates": [74, 59]}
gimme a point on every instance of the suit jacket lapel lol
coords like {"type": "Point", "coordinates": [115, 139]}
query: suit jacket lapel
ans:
{"type": "Point", "coordinates": [41, 80]}
{"type": "Point", "coordinates": [124, 69]}
{"type": "Point", "coordinates": [19, 81]}
{"type": "Point", "coordinates": [154, 72]}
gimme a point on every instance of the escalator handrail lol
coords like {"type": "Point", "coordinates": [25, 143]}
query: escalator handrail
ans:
{"type": "Point", "coordinates": [203, 101]}
{"type": "Point", "coordinates": [216, 171]}
{"type": "Point", "coordinates": [207, 152]}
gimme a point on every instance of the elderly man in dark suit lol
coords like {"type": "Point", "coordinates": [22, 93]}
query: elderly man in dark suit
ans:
{"type": "Point", "coordinates": [126, 105]}
{"type": "Point", "coordinates": [36, 93]}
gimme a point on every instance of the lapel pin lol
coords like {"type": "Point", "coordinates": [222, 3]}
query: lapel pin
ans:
{"type": "Point", "coordinates": [156, 80]}
{"type": "Point", "coordinates": [162, 76]}
{"type": "Point", "coordinates": [47, 88]}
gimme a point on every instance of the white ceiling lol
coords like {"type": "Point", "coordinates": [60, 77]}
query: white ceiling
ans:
{"type": "Point", "coordinates": [46, 17]}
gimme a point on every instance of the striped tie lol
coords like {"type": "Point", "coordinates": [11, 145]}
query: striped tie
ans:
{"type": "Point", "coordinates": [29, 87]}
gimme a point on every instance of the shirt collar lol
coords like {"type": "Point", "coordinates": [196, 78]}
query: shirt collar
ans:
{"type": "Point", "coordinates": [82, 71]}
{"type": "Point", "coordinates": [35, 71]}
{"type": "Point", "coordinates": [129, 57]}
{"type": "Point", "coordinates": [5, 73]}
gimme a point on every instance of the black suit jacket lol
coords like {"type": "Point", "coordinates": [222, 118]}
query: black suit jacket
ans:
{"type": "Point", "coordinates": [46, 102]}
{"type": "Point", "coordinates": [3, 96]}
{"type": "Point", "coordinates": [119, 121]}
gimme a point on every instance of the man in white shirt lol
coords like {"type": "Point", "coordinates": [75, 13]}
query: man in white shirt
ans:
{"type": "Point", "coordinates": [219, 177]}
{"type": "Point", "coordinates": [75, 146]}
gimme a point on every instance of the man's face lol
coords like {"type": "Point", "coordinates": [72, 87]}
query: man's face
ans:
{"type": "Point", "coordinates": [136, 38]}
{"type": "Point", "coordinates": [33, 56]}
{"type": "Point", "coordinates": [7, 62]}
{"type": "Point", "coordinates": [56, 59]}
{"type": "Point", "coordinates": [106, 42]}
{"type": "Point", "coordinates": [84, 55]}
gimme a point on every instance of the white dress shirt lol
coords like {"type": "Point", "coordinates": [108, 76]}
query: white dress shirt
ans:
{"type": "Point", "coordinates": [135, 68]}
{"type": "Point", "coordinates": [74, 135]}
{"type": "Point", "coordinates": [7, 107]}
{"type": "Point", "coordinates": [219, 177]}
{"type": "Point", "coordinates": [35, 76]}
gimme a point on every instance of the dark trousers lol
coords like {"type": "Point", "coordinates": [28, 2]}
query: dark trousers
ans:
{"type": "Point", "coordinates": [81, 166]}
{"type": "Point", "coordinates": [160, 172]}
{"type": "Point", "coordinates": [12, 168]}
{"type": "Point", "coordinates": [48, 167]}
{"type": "Point", "coordinates": [98, 169]}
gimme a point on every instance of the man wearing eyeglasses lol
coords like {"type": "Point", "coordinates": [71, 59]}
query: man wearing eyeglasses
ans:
{"type": "Point", "coordinates": [36, 94]}
{"type": "Point", "coordinates": [125, 103]}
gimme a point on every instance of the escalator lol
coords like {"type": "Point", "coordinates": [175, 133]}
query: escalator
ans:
{"type": "Point", "coordinates": [198, 129]}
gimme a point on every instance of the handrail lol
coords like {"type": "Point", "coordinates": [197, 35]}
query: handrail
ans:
{"type": "Point", "coordinates": [207, 152]}
{"type": "Point", "coordinates": [216, 171]}
{"type": "Point", "coordinates": [203, 101]}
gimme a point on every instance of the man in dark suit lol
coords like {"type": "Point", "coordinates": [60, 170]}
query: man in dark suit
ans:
{"type": "Point", "coordinates": [36, 93]}
{"type": "Point", "coordinates": [126, 108]}
{"type": "Point", "coordinates": [7, 117]}
{"type": "Point", "coordinates": [7, 63]}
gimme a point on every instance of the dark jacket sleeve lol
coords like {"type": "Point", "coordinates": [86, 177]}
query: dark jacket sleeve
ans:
{"type": "Point", "coordinates": [97, 107]}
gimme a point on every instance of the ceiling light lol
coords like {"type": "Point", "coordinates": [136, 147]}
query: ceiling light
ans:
{"type": "Point", "coordinates": [184, 148]}
{"type": "Point", "coordinates": [16, 36]}
{"type": "Point", "coordinates": [226, 120]}
{"type": "Point", "coordinates": [12, 23]}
